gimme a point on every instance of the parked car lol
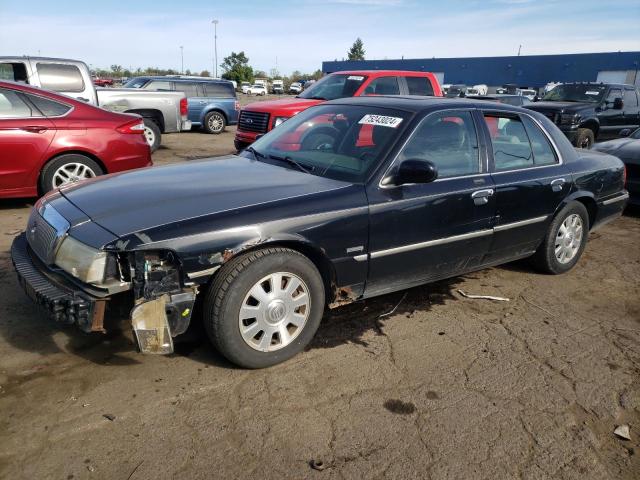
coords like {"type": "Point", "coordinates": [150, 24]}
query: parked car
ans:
{"type": "Point", "coordinates": [516, 100]}
{"type": "Point", "coordinates": [529, 93]}
{"type": "Point", "coordinates": [260, 117]}
{"type": "Point", "coordinates": [626, 149]}
{"type": "Point", "coordinates": [103, 82]}
{"type": "Point", "coordinates": [587, 112]}
{"type": "Point", "coordinates": [257, 89]}
{"type": "Point", "coordinates": [212, 104]}
{"type": "Point", "coordinates": [477, 90]}
{"type": "Point", "coordinates": [49, 140]}
{"type": "Point", "coordinates": [277, 87]}
{"type": "Point", "coordinates": [456, 91]}
{"type": "Point", "coordinates": [405, 191]}
{"type": "Point", "coordinates": [295, 88]}
{"type": "Point", "coordinates": [244, 86]}
{"type": "Point", "coordinates": [163, 112]}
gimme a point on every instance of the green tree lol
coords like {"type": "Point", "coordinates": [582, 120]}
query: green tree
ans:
{"type": "Point", "coordinates": [236, 67]}
{"type": "Point", "coordinates": [205, 73]}
{"type": "Point", "coordinates": [187, 72]}
{"type": "Point", "coordinates": [356, 52]}
{"type": "Point", "coordinates": [116, 69]}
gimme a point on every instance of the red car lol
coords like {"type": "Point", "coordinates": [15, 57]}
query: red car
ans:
{"type": "Point", "coordinates": [48, 140]}
{"type": "Point", "coordinates": [258, 118]}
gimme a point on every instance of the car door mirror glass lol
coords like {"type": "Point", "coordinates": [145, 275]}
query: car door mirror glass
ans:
{"type": "Point", "coordinates": [413, 171]}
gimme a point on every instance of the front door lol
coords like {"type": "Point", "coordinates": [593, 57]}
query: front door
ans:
{"type": "Point", "coordinates": [611, 120]}
{"type": "Point", "coordinates": [25, 136]}
{"type": "Point", "coordinates": [422, 232]}
{"type": "Point", "coordinates": [530, 183]}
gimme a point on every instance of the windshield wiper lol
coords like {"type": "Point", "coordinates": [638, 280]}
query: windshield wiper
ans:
{"type": "Point", "coordinates": [291, 161]}
{"type": "Point", "coordinates": [316, 97]}
{"type": "Point", "coordinates": [255, 153]}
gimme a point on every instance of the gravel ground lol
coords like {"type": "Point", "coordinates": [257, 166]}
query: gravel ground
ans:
{"type": "Point", "coordinates": [443, 388]}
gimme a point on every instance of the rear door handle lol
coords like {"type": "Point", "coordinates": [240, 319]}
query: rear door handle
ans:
{"type": "Point", "coordinates": [557, 184]}
{"type": "Point", "coordinates": [34, 128]}
{"type": "Point", "coordinates": [481, 197]}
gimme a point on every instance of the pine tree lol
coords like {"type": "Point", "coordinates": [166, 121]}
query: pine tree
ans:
{"type": "Point", "coordinates": [356, 52]}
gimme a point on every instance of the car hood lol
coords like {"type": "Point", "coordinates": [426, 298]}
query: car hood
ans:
{"type": "Point", "coordinates": [624, 148]}
{"type": "Point", "coordinates": [285, 107]}
{"type": "Point", "coordinates": [561, 107]}
{"type": "Point", "coordinates": [139, 200]}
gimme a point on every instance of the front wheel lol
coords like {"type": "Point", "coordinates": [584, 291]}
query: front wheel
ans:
{"type": "Point", "coordinates": [214, 122]}
{"type": "Point", "coordinates": [264, 307]}
{"type": "Point", "coordinates": [585, 138]}
{"type": "Point", "coordinates": [565, 240]}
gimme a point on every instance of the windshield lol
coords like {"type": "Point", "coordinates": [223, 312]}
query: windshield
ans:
{"type": "Point", "coordinates": [334, 86]}
{"type": "Point", "coordinates": [342, 142]}
{"type": "Point", "coordinates": [576, 93]}
{"type": "Point", "coordinates": [136, 83]}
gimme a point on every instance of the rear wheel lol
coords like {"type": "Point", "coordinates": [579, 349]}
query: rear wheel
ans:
{"type": "Point", "coordinates": [585, 138]}
{"type": "Point", "coordinates": [152, 134]}
{"type": "Point", "coordinates": [214, 122]}
{"type": "Point", "coordinates": [264, 307]}
{"type": "Point", "coordinates": [565, 240]}
{"type": "Point", "coordinates": [67, 169]}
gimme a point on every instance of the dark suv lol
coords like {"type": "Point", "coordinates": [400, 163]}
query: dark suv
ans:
{"type": "Point", "coordinates": [589, 111]}
{"type": "Point", "coordinates": [212, 103]}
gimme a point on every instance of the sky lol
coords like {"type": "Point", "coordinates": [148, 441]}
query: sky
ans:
{"type": "Point", "coordinates": [300, 34]}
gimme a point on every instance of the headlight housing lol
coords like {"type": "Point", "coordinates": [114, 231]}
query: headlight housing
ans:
{"type": "Point", "coordinates": [569, 119]}
{"type": "Point", "coordinates": [279, 120]}
{"type": "Point", "coordinates": [81, 261]}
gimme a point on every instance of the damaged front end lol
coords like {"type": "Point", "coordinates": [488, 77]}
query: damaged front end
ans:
{"type": "Point", "coordinates": [163, 304]}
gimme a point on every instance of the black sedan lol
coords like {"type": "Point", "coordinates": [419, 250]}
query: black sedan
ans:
{"type": "Point", "coordinates": [347, 200]}
{"type": "Point", "coordinates": [627, 150]}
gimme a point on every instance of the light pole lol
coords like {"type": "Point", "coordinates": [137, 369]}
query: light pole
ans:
{"type": "Point", "coordinates": [215, 48]}
{"type": "Point", "coordinates": [181, 59]}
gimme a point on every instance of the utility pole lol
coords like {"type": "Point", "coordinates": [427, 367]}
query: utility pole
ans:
{"type": "Point", "coordinates": [215, 47]}
{"type": "Point", "coordinates": [181, 60]}
{"type": "Point", "coordinates": [519, 48]}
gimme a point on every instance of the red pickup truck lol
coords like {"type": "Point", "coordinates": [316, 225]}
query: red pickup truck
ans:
{"type": "Point", "coordinates": [260, 117]}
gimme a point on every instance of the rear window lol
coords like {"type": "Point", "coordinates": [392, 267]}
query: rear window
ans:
{"type": "Point", "coordinates": [189, 88]}
{"type": "Point", "coordinates": [48, 107]}
{"type": "Point", "coordinates": [14, 72]}
{"type": "Point", "coordinates": [60, 77]}
{"type": "Point", "coordinates": [136, 83]}
{"type": "Point", "coordinates": [219, 89]}
{"type": "Point", "coordinates": [158, 85]}
{"type": "Point", "coordinates": [419, 86]}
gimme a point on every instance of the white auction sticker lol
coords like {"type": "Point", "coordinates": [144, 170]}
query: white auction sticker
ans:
{"type": "Point", "coordinates": [357, 78]}
{"type": "Point", "coordinates": [591, 92]}
{"type": "Point", "coordinates": [381, 120]}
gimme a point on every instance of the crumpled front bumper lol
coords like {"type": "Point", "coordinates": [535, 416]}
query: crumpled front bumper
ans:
{"type": "Point", "coordinates": [63, 301]}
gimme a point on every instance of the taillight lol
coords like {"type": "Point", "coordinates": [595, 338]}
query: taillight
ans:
{"type": "Point", "coordinates": [184, 110]}
{"type": "Point", "coordinates": [237, 106]}
{"type": "Point", "coordinates": [135, 127]}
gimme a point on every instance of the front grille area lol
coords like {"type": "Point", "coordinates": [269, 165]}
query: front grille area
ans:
{"type": "Point", "coordinates": [253, 121]}
{"type": "Point", "coordinates": [41, 236]}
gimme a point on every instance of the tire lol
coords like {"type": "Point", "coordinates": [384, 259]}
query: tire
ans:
{"type": "Point", "coordinates": [547, 258]}
{"type": "Point", "coordinates": [214, 122]}
{"type": "Point", "coordinates": [73, 166]}
{"type": "Point", "coordinates": [152, 134]}
{"type": "Point", "coordinates": [320, 139]}
{"type": "Point", "coordinates": [240, 145]}
{"type": "Point", "coordinates": [585, 138]}
{"type": "Point", "coordinates": [233, 289]}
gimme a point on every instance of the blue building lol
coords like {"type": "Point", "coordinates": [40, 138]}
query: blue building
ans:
{"type": "Point", "coordinates": [525, 71]}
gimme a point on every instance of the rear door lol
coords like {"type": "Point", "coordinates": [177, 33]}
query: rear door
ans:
{"type": "Point", "coordinates": [631, 109]}
{"type": "Point", "coordinates": [530, 182]}
{"type": "Point", "coordinates": [25, 136]}
{"type": "Point", "coordinates": [195, 102]}
{"type": "Point", "coordinates": [611, 120]}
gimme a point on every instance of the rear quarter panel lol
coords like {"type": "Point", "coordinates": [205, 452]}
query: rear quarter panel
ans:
{"type": "Point", "coordinates": [225, 105]}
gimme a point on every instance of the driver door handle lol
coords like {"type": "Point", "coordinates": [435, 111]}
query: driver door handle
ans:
{"type": "Point", "coordinates": [481, 197]}
{"type": "Point", "coordinates": [34, 128]}
{"type": "Point", "coordinates": [557, 184]}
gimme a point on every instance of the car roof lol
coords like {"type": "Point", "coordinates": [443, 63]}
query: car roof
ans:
{"type": "Point", "coordinates": [181, 79]}
{"type": "Point", "coordinates": [416, 104]}
{"type": "Point", "coordinates": [380, 73]}
{"type": "Point", "coordinates": [600, 84]}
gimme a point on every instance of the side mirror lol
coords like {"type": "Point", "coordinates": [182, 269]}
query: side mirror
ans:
{"type": "Point", "coordinates": [617, 104]}
{"type": "Point", "coordinates": [625, 132]}
{"type": "Point", "coordinates": [536, 98]}
{"type": "Point", "coordinates": [412, 171]}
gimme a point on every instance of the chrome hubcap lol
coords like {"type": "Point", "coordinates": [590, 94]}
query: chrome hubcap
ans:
{"type": "Point", "coordinates": [216, 123]}
{"type": "Point", "coordinates": [274, 311]}
{"type": "Point", "coordinates": [569, 238]}
{"type": "Point", "coordinates": [71, 173]}
{"type": "Point", "coordinates": [149, 136]}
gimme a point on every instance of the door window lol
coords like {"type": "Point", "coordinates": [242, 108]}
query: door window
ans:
{"type": "Point", "coordinates": [60, 77]}
{"type": "Point", "coordinates": [13, 106]}
{"type": "Point", "coordinates": [14, 72]}
{"type": "Point", "coordinates": [419, 86]}
{"type": "Point", "coordinates": [189, 88]}
{"type": "Point", "coordinates": [630, 99]}
{"type": "Point", "coordinates": [383, 86]}
{"type": "Point", "coordinates": [613, 94]}
{"type": "Point", "coordinates": [48, 107]}
{"type": "Point", "coordinates": [158, 85]}
{"type": "Point", "coordinates": [449, 141]}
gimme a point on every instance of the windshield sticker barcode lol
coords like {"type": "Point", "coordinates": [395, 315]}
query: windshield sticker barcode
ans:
{"type": "Point", "coordinates": [357, 78]}
{"type": "Point", "coordinates": [381, 120]}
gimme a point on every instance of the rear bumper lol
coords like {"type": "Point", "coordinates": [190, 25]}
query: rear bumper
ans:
{"type": "Point", "coordinates": [61, 300]}
{"type": "Point", "coordinates": [185, 125]}
{"type": "Point", "coordinates": [610, 208]}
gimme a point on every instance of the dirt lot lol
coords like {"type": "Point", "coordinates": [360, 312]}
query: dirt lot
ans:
{"type": "Point", "coordinates": [443, 388]}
